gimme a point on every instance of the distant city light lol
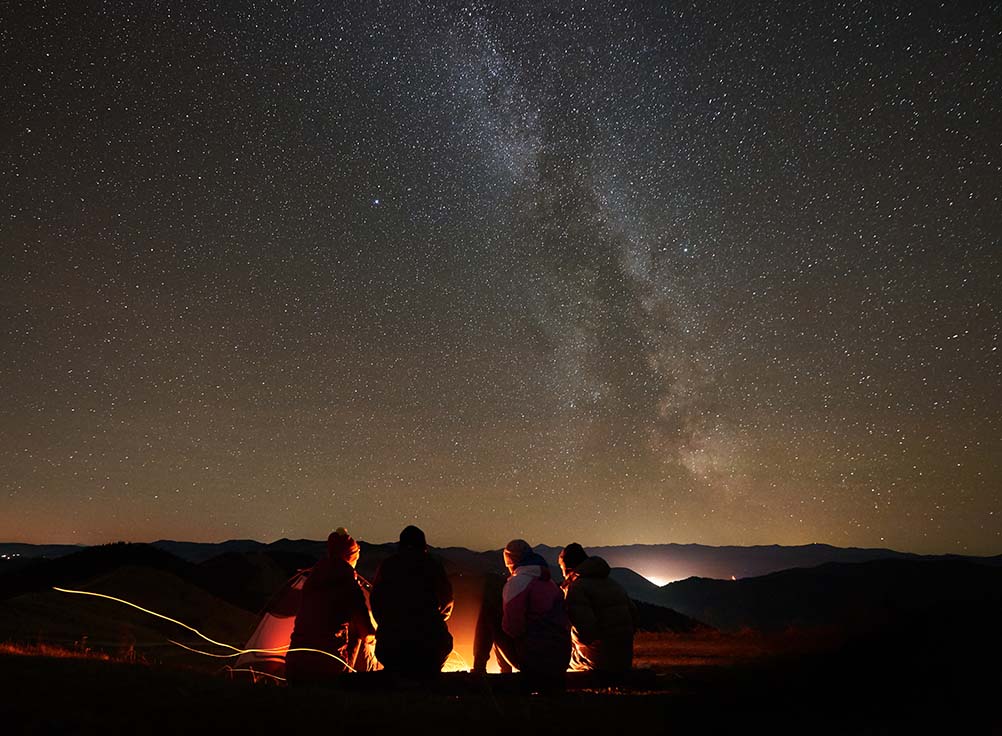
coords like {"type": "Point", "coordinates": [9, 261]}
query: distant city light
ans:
{"type": "Point", "coordinates": [659, 580]}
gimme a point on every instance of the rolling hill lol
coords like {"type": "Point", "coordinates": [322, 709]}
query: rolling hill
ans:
{"type": "Point", "coordinates": [857, 595]}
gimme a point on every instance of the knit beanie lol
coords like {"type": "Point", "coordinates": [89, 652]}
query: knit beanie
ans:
{"type": "Point", "coordinates": [340, 545]}
{"type": "Point", "coordinates": [515, 551]}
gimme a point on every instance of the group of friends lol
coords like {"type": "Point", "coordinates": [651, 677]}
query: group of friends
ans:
{"type": "Point", "coordinates": [399, 621]}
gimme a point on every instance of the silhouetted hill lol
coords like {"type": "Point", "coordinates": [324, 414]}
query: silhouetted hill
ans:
{"type": "Point", "coordinates": [249, 579]}
{"type": "Point", "coordinates": [245, 580]}
{"type": "Point", "coordinates": [306, 547]}
{"type": "Point", "coordinates": [87, 564]}
{"type": "Point", "coordinates": [85, 622]}
{"type": "Point", "coordinates": [658, 618]}
{"type": "Point", "coordinates": [657, 562]}
{"type": "Point", "coordinates": [857, 595]}
{"type": "Point", "coordinates": [201, 551]}
{"type": "Point", "coordinates": [672, 562]}
{"type": "Point", "coordinates": [17, 549]}
{"type": "Point", "coordinates": [636, 586]}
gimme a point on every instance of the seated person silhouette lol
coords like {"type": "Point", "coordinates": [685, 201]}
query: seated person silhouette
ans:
{"type": "Point", "coordinates": [526, 625]}
{"type": "Point", "coordinates": [411, 602]}
{"type": "Point", "coordinates": [333, 617]}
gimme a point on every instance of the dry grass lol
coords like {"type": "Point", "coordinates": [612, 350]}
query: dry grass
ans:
{"type": "Point", "coordinates": [664, 652]}
{"type": "Point", "coordinates": [51, 650]}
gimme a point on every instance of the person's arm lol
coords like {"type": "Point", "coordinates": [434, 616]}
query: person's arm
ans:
{"type": "Point", "coordinates": [443, 591]}
{"type": "Point", "coordinates": [488, 621]}
{"type": "Point", "coordinates": [515, 614]}
{"type": "Point", "coordinates": [582, 614]}
{"type": "Point", "coordinates": [360, 617]}
{"type": "Point", "coordinates": [377, 594]}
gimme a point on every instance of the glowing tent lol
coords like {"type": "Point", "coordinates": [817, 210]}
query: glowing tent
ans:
{"type": "Point", "coordinates": [270, 639]}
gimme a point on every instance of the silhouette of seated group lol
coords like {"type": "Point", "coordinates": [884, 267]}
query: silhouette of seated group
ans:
{"type": "Point", "coordinates": [399, 622]}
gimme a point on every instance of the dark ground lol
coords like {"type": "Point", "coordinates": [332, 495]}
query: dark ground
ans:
{"type": "Point", "coordinates": [886, 683]}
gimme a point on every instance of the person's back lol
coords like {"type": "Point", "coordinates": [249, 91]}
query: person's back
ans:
{"type": "Point", "coordinates": [534, 615]}
{"type": "Point", "coordinates": [333, 615]}
{"type": "Point", "coordinates": [601, 613]}
{"type": "Point", "coordinates": [411, 602]}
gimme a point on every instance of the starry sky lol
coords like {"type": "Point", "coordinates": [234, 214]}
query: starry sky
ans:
{"type": "Point", "coordinates": [721, 272]}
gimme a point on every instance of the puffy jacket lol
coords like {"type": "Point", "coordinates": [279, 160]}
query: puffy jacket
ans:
{"type": "Point", "coordinates": [333, 614]}
{"type": "Point", "coordinates": [534, 616]}
{"type": "Point", "coordinates": [411, 602]}
{"type": "Point", "coordinates": [602, 618]}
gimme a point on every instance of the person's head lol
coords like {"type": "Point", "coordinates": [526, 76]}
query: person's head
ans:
{"type": "Point", "coordinates": [413, 538]}
{"type": "Point", "coordinates": [514, 552]}
{"type": "Point", "coordinates": [340, 546]}
{"type": "Point", "coordinates": [570, 557]}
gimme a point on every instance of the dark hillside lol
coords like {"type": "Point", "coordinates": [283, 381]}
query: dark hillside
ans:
{"type": "Point", "coordinates": [249, 579]}
{"type": "Point", "coordinates": [856, 595]}
{"type": "Point", "coordinates": [201, 551]}
{"type": "Point", "coordinates": [90, 563]}
{"type": "Point", "coordinates": [84, 622]}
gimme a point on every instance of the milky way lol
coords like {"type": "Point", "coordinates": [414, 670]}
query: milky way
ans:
{"type": "Point", "coordinates": [643, 272]}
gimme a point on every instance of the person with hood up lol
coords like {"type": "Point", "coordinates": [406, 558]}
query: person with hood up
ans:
{"type": "Point", "coordinates": [333, 617]}
{"type": "Point", "coordinates": [603, 618]}
{"type": "Point", "coordinates": [533, 618]}
{"type": "Point", "coordinates": [411, 602]}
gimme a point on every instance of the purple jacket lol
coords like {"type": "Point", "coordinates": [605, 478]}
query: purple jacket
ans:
{"type": "Point", "coordinates": [535, 618]}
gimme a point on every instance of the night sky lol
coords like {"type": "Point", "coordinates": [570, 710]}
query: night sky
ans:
{"type": "Point", "coordinates": [721, 272]}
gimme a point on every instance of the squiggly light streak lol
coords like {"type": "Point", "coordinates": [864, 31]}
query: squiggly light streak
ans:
{"type": "Point", "coordinates": [277, 650]}
{"type": "Point", "coordinates": [151, 613]}
{"type": "Point", "coordinates": [204, 654]}
{"type": "Point", "coordinates": [236, 650]}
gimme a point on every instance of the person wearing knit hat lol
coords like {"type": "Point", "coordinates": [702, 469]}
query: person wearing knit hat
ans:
{"type": "Point", "coordinates": [533, 634]}
{"type": "Point", "coordinates": [514, 552]}
{"type": "Point", "coordinates": [570, 557]}
{"type": "Point", "coordinates": [603, 618]}
{"type": "Point", "coordinates": [411, 602]}
{"type": "Point", "coordinates": [333, 617]}
{"type": "Point", "coordinates": [340, 545]}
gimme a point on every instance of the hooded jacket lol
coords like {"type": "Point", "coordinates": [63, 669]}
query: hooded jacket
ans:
{"type": "Point", "coordinates": [534, 617]}
{"type": "Point", "coordinates": [602, 618]}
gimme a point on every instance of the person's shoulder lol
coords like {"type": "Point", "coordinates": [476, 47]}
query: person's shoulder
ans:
{"type": "Point", "coordinates": [394, 560]}
{"type": "Point", "coordinates": [433, 563]}
{"type": "Point", "coordinates": [387, 566]}
{"type": "Point", "coordinates": [340, 571]}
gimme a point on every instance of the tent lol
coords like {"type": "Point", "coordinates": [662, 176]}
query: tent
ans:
{"type": "Point", "coordinates": [272, 636]}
